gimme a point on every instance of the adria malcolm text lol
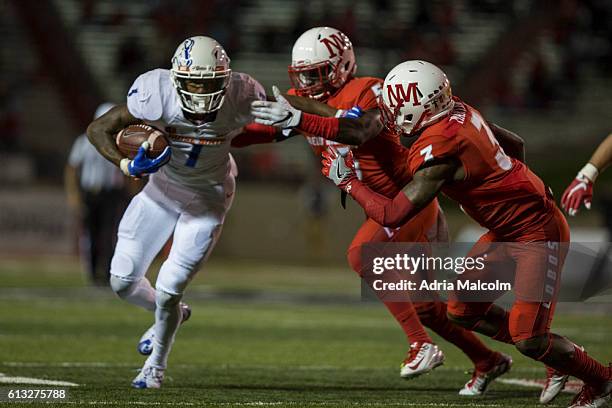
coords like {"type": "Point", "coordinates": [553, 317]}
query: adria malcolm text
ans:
{"type": "Point", "coordinates": [441, 285]}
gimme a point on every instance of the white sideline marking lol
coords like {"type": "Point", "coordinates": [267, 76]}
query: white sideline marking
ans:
{"type": "Point", "coordinates": [34, 381]}
{"type": "Point", "coordinates": [572, 387]}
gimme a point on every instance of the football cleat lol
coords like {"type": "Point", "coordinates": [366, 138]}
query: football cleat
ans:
{"type": "Point", "coordinates": [421, 359]}
{"type": "Point", "coordinates": [555, 383]}
{"type": "Point", "coordinates": [480, 380]}
{"type": "Point", "coordinates": [145, 344]}
{"type": "Point", "coordinates": [589, 397]}
{"type": "Point", "coordinates": [149, 377]}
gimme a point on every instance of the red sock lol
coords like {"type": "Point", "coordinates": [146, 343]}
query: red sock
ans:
{"type": "Point", "coordinates": [587, 368]}
{"type": "Point", "coordinates": [407, 317]}
{"type": "Point", "coordinates": [503, 334]}
{"type": "Point", "coordinates": [433, 315]}
{"type": "Point", "coordinates": [404, 312]}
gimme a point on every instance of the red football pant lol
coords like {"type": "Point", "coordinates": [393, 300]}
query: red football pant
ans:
{"type": "Point", "coordinates": [428, 226]}
{"type": "Point", "coordinates": [536, 260]}
{"type": "Point", "coordinates": [535, 265]}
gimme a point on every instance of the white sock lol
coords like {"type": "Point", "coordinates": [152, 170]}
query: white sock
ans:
{"type": "Point", "coordinates": [167, 321]}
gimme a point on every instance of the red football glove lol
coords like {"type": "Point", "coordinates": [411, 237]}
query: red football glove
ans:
{"type": "Point", "coordinates": [578, 193]}
{"type": "Point", "coordinates": [339, 169]}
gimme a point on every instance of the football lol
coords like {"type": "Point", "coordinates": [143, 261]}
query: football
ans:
{"type": "Point", "coordinates": [131, 138]}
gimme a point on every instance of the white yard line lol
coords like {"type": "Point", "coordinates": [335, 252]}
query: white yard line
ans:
{"type": "Point", "coordinates": [572, 387]}
{"type": "Point", "coordinates": [4, 379]}
{"type": "Point", "coordinates": [67, 364]}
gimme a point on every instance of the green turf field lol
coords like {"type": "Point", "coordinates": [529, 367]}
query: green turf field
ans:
{"type": "Point", "coordinates": [264, 344]}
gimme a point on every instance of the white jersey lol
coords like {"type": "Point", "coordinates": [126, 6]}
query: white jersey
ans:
{"type": "Point", "coordinates": [154, 99]}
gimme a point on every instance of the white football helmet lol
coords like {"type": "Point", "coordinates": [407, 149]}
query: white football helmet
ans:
{"type": "Point", "coordinates": [321, 62]}
{"type": "Point", "coordinates": [415, 94]}
{"type": "Point", "coordinates": [200, 73]}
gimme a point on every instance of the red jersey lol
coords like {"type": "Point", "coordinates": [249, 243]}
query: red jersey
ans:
{"type": "Point", "coordinates": [382, 159]}
{"type": "Point", "coordinates": [501, 193]}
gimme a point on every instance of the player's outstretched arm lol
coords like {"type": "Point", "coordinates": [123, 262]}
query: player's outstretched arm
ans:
{"type": "Point", "coordinates": [389, 212]}
{"type": "Point", "coordinates": [513, 144]}
{"type": "Point", "coordinates": [311, 106]}
{"type": "Point", "coordinates": [254, 133]}
{"type": "Point", "coordinates": [101, 132]}
{"type": "Point", "coordinates": [347, 130]}
{"type": "Point", "coordinates": [602, 157]}
{"type": "Point", "coordinates": [580, 191]}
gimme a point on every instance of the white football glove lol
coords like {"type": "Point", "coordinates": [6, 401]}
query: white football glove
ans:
{"type": "Point", "coordinates": [279, 114]}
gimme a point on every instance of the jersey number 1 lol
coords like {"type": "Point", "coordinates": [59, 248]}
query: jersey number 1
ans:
{"type": "Point", "coordinates": [194, 154]}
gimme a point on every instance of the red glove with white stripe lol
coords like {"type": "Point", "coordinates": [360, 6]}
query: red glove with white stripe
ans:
{"type": "Point", "coordinates": [580, 191]}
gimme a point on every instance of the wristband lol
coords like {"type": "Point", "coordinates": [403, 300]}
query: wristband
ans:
{"type": "Point", "coordinates": [589, 171]}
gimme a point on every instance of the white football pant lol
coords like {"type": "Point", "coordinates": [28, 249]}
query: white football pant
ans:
{"type": "Point", "coordinates": [164, 207]}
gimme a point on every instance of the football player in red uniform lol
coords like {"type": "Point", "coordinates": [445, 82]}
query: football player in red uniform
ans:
{"type": "Point", "coordinates": [322, 69]}
{"type": "Point", "coordinates": [456, 153]}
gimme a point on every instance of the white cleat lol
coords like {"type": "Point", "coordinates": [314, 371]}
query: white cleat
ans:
{"type": "Point", "coordinates": [480, 380]}
{"type": "Point", "coordinates": [145, 344]}
{"type": "Point", "coordinates": [149, 377]}
{"type": "Point", "coordinates": [555, 383]}
{"type": "Point", "coordinates": [422, 358]}
{"type": "Point", "coordinates": [588, 397]}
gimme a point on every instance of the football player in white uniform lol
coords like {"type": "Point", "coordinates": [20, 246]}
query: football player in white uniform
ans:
{"type": "Point", "coordinates": [201, 105]}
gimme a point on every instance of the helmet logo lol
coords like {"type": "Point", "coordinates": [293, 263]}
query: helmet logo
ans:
{"type": "Point", "coordinates": [187, 46]}
{"type": "Point", "coordinates": [403, 94]}
{"type": "Point", "coordinates": [331, 42]}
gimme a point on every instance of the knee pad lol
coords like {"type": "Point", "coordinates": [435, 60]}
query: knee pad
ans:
{"type": "Point", "coordinates": [122, 265]}
{"type": "Point", "coordinates": [534, 347]}
{"type": "Point", "coordinates": [165, 300]}
{"type": "Point", "coordinates": [121, 286]}
{"type": "Point", "coordinates": [174, 276]}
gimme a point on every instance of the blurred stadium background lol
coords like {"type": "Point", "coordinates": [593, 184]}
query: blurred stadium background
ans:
{"type": "Point", "coordinates": [540, 68]}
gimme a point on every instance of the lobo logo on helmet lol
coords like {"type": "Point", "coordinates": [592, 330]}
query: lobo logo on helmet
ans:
{"type": "Point", "coordinates": [402, 94]}
{"type": "Point", "coordinates": [334, 41]}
